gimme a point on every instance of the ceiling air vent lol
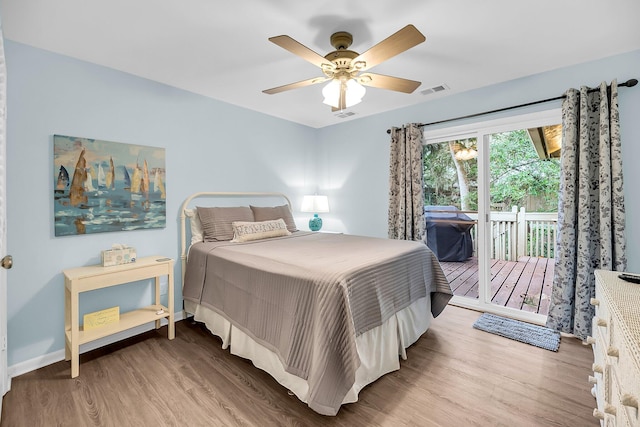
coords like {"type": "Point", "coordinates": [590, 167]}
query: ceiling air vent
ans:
{"type": "Point", "coordinates": [435, 89]}
{"type": "Point", "coordinates": [344, 114]}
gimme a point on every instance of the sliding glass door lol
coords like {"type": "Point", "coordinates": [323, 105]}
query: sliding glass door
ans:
{"type": "Point", "coordinates": [491, 211]}
{"type": "Point", "coordinates": [451, 210]}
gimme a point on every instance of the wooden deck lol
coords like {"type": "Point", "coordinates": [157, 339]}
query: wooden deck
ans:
{"type": "Point", "coordinates": [524, 284]}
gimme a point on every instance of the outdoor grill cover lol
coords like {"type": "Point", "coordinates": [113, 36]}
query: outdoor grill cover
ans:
{"type": "Point", "coordinates": [449, 241]}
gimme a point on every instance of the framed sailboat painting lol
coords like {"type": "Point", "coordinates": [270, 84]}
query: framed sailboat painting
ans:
{"type": "Point", "coordinates": [102, 186]}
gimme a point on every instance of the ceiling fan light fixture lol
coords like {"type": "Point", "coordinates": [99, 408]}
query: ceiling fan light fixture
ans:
{"type": "Point", "coordinates": [354, 92]}
{"type": "Point", "coordinates": [331, 93]}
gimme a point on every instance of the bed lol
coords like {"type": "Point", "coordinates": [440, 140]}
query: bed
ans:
{"type": "Point", "coordinates": [325, 314]}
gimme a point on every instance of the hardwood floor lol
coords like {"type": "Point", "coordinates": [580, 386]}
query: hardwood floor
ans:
{"type": "Point", "coordinates": [454, 376]}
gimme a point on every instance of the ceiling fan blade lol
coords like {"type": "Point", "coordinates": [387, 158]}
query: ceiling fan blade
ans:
{"type": "Point", "coordinates": [387, 82]}
{"type": "Point", "coordinates": [302, 51]}
{"type": "Point", "coordinates": [296, 85]}
{"type": "Point", "coordinates": [396, 43]}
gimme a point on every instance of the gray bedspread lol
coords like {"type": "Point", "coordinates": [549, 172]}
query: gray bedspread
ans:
{"type": "Point", "coordinates": [307, 296]}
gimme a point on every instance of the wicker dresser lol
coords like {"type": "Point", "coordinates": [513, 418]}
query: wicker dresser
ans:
{"type": "Point", "coordinates": [616, 350]}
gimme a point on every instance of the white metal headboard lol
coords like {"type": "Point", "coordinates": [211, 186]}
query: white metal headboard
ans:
{"type": "Point", "coordinates": [214, 194]}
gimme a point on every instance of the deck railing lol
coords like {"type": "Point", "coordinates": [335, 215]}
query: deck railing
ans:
{"type": "Point", "coordinates": [520, 233]}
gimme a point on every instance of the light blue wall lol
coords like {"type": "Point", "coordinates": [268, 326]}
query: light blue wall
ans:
{"type": "Point", "coordinates": [213, 146]}
{"type": "Point", "coordinates": [210, 146]}
{"type": "Point", "coordinates": [354, 156]}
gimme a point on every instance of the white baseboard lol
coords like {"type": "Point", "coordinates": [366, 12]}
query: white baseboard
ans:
{"type": "Point", "coordinates": [56, 356]}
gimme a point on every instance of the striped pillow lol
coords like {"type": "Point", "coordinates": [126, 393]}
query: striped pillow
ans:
{"type": "Point", "coordinates": [262, 213]}
{"type": "Point", "coordinates": [216, 222]}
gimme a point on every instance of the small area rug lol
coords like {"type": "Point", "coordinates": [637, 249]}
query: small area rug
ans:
{"type": "Point", "coordinates": [520, 331]}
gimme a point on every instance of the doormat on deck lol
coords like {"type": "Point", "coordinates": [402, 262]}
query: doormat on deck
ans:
{"type": "Point", "coordinates": [520, 331]}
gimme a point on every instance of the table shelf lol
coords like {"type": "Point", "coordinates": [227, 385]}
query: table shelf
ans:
{"type": "Point", "coordinates": [128, 320]}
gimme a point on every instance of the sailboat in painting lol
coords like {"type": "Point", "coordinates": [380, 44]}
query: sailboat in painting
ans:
{"type": "Point", "coordinates": [127, 178]}
{"type": "Point", "coordinates": [76, 193]}
{"type": "Point", "coordinates": [88, 182]}
{"type": "Point", "coordinates": [102, 177]}
{"type": "Point", "coordinates": [158, 186]}
{"type": "Point", "coordinates": [136, 179]}
{"type": "Point", "coordinates": [144, 182]}
{"type": "Point", "coordinates": [111, 176]}
{"type": "Point", "coordinates": [63, 180]}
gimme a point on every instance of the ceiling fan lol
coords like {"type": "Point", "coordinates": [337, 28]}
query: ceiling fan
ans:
{"type": "Point", "coordinates": [345, 69]}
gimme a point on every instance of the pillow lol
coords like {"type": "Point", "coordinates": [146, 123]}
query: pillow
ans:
{"type": "Point", "coordinates": [196, 225]}
{"type": "Point", "coordinates": [216, 222]}
{"type": "Point", "coordinates": [261, 213]}
{"type": "Point", "coordinates": [246, 231]}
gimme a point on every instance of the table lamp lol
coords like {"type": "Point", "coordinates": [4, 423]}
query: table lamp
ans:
{"type": "Point", "coordinates": [315, 204]}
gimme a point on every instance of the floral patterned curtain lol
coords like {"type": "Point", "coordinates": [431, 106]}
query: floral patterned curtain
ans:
{"type": "Point", "coordinates": [591, 206]}
{"type": "Point", "coordinates": [406, 184]}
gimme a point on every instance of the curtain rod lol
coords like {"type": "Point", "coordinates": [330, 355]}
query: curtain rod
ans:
{"type": "Point", "coordinates": [628, 83]}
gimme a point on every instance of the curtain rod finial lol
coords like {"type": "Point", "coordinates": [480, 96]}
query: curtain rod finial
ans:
{"type": "Point", "coordinates": [631, 82]}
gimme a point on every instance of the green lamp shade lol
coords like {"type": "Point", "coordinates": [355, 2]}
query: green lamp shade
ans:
{"type": "Point", "coordinates": [315, 223]}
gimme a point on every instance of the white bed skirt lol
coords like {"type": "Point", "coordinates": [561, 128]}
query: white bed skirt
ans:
{"type": "Point", "coordinates": [379, 349]}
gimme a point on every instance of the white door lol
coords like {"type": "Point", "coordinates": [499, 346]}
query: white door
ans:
{"type": "Point", "coordinates": [5, 259]}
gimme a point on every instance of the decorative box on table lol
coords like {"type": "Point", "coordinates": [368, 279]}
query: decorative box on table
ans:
{"type": "Point", "coordinates": [118, 254]}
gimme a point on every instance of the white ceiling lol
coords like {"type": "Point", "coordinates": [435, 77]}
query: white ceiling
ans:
{"type": "Point", "coordinates": [219, 49]}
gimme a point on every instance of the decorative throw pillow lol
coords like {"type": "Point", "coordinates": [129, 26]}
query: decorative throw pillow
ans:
{"type": "Point", "coordinates": [196, 226]}
{"type": "Point", "coordinates": [216, 222]}
{"type": "Point", "coordinates": [263, 213]}
{"type": "Point", "coordinates": [247, 231]}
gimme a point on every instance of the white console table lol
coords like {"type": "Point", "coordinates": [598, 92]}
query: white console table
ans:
{"type": "Point", "coordinates": [84, 279]}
